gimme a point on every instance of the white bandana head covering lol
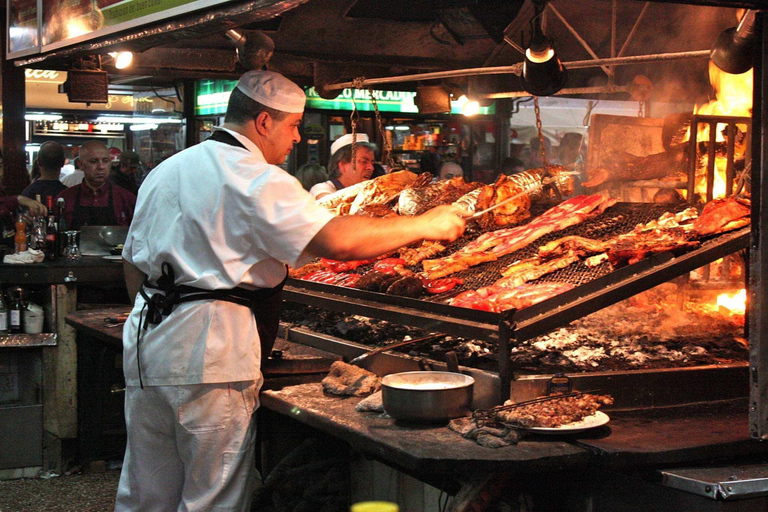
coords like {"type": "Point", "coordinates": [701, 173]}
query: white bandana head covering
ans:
{"type": "Point", "coordinates": [346, 140]}
{"type": "Point", "coordinates": [273, 90]}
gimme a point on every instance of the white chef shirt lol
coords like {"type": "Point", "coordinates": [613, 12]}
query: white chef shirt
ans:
{"type": "Point", "coordinates": [222, 217]}
{"type": "Point", "coordinates": [322, 188]}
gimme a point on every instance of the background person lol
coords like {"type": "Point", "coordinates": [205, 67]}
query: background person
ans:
{"type": "Point", "coordinates": [223, 217]}
{"type": "Point", "coordinates": [310, 175]}
{"type": "Point", "coordinates": [50, 160]}
{"type": "Point", "coordinates": [124, 173]}
{"type": "Point", "coordinates": [95, 201]}
{"type": "Point", "coordinates": [343, 174]}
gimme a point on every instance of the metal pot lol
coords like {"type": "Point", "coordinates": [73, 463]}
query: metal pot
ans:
{"type": "Point", "coordinates": [427, 396]}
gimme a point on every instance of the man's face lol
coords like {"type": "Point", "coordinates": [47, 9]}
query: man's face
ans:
{"type": "Point", "coordinates": [128, 169]}
{"type": "Point", "coordinates": [281, 137]}
{"type": "Point", "coordinates": [363, 169]}
{"type": "Point", "coordinates": [95, 165]}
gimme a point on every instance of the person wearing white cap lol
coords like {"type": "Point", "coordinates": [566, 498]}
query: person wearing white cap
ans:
{"type": "Point", "coordinates": [343, 174]}
{"type": "Point", "coordinates": [205, 261]}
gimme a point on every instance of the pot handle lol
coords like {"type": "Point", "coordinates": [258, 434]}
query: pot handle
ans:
{"type": "Point", "coordinates": [452, 361]}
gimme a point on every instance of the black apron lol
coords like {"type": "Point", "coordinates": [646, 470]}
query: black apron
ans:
{"type": "Point", "coordinates": [93, 215]}
{"type": "Point", "coordinates": [265, 303]}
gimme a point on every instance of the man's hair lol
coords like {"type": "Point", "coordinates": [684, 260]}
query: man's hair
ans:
{"type": "Point", "coordinates": [51, 156]}
{"type": "Point", "coordinates": [345, 155]}
{"type": "Point", "coordinates": [242, 109]}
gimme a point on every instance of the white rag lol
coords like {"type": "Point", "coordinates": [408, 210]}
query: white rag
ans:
{"type": "Point", "coordinates": [28, 256]}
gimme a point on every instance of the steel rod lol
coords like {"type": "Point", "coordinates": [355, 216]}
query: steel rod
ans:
{"type": "Point", "coordinates": [634, 29]}
{"type": "Point", "coordinates": [581, 40]}
{"type": "Point", "coordinates": [608, 89]}
{"type": "Point", "coordinates": [517, 69]}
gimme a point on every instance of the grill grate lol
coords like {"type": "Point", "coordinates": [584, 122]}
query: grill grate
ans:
{"type": "Point", "coordinates": [620, 218]}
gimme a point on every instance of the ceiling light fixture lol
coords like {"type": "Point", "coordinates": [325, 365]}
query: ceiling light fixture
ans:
{"type": "Point", "coordinates": [121, 59]}
{"type": "Point", "coordinates": [543, 73]}
{"type": "Point", "coordinates": [42, 117]}
{"type": "Point", "coordinates": [734, 48]}
{"type": "Point", "coordinates": [137, 120]}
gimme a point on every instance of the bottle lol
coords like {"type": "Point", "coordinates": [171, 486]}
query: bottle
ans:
{"type": "Point", "coordinates": [62, 225]}
{"type": "Point", "coordinates": [21, 233]}
{"type": "Point", "coordinates": [38, 230]}
{"type": "Point", "coordinates": [51, 232]}
{"type": "Point", "coordinates": [16, 312]}
{"type": "Point", "coordinates": [4, 327]}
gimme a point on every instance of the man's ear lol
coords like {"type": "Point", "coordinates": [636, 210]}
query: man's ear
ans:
{"type": "Point", "coordinates": [263, 123]}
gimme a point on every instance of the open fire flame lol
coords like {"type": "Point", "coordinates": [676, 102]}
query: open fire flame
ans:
{"type": "Point", "coordinates": [735, 303]}
{"type": "Point", "coordinates": [733, 95]}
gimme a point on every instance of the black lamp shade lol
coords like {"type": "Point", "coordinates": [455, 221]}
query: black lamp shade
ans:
{"type": "Point", "coordinates": [543, 78]}
{"type": "Point", "coordinates": [733, 53]}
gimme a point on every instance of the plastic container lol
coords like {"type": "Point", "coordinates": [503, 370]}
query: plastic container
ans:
{"type": "Point", "coordinates": [375, 506]}
{"type": "Point", "coordinates": [34, 316]}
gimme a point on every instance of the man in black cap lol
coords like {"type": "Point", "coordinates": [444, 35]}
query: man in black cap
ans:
{"type": "Point", "coordinates": [125, 175]}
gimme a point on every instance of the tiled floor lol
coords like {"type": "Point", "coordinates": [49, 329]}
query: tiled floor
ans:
{"type": "Point", "coordinates": [93, 492]}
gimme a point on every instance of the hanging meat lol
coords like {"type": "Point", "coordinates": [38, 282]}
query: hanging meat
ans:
{"type": "Point", "coordinates": [623, 166]}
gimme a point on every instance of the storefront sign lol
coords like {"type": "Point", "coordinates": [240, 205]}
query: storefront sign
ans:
{"type": "Point", "coordinates": [212, 97]}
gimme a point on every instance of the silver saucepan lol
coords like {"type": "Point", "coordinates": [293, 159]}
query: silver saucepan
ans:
{"type": "Point", "coordinates": [427, 396]}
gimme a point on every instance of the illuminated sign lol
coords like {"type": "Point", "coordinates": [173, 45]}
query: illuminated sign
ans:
{"type": "Point", "coordinates": [212, 96]}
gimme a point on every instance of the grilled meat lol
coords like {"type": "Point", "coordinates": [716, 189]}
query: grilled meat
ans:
{"type": "Point", "coordinates": [415, 201]}
{"type": "Point", "coordinates": [500, 298]}
{"type": "Point", "coordinates": [492, 245]}
{"type": "Point", "coordinates": [375, 281]}
{"type": "Point", "coordinates": [340, 201]}
{"type": "Point", "coordinates": [406, 287]}
{"type": "Point", "coordinates": [553, 413]}
{"type": "Point", "coordinates": [426, 249]}
{"type": "Point", "coordinates": [721, 215]}
{"type": "Point", "coordinates": [533, 268]}
{"type": "Point", "coordinates": [385, 189]}
{"type": "Point", "coordinates": [572, 244]}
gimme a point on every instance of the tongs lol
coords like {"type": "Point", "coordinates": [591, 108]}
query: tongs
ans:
{"type": "Point", "coordinates": [545, 182]}
{"type": "Point", "coordinates": [430, 337]}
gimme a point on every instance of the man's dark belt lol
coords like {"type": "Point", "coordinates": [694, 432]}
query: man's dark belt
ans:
{"type": "Point", "coordinates": [264, 303]}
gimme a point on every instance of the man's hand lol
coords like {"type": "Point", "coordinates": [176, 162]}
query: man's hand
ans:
{"type": "Point", "coordinates": [444, 223]}
{"type": "Point", "coordinates": [34, 207]}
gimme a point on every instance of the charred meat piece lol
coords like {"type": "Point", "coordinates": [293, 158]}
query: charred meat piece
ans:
{"type": "Point", "coordinates": [406, 287]}
{"type": "Point", "coordinates": [721, 215]}
{"type": "Point", "coordinates": [577, 244]}
{"type": "Point", "coordinates": [374, 281]}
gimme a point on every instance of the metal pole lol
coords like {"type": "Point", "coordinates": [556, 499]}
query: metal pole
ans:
{"type": "Point", "coordinates": [757, 296]}
{"type": "Point", "coordinates": [608, 89]}
{"type": "Point", "coordinates": [517, 69]}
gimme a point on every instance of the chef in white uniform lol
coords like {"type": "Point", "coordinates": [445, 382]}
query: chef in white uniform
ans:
{"type": "Point", "coordinates": [340, 168]}
{"type": "Point", "coordinates": [212, 224]}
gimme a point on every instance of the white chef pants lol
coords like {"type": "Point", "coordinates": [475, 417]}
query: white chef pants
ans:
{"type": "Point", "coordinates": [189, 448]}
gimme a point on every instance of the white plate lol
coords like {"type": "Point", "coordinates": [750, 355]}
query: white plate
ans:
{"type": "Point", "coordinates": [116, 257]}
{"type": "Point", "coordinates": [596, 420]}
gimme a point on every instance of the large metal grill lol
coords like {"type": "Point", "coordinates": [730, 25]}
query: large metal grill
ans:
{"type": "Point", "coordinates": [595, 288]}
